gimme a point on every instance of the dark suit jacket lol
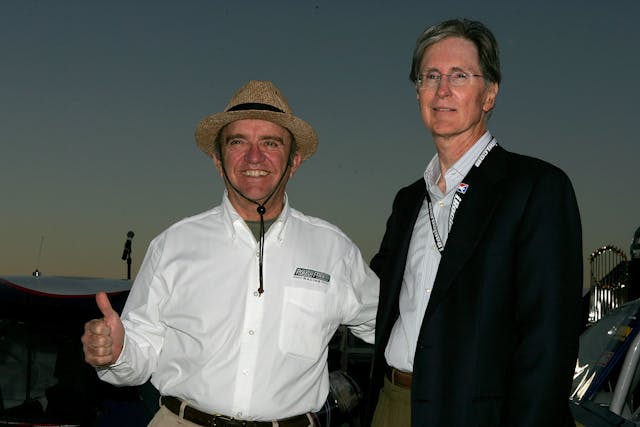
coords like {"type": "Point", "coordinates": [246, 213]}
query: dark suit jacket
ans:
{"type": "Point", "coordinates": [499, 339]}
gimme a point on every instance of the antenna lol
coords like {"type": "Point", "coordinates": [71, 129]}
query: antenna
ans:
{"type": "Point", "coordinates": [36, 272]}
{"type": "Point", "coordinates": [126, 254]}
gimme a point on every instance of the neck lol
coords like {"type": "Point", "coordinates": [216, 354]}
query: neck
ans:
{"type": "Point", "coordinates": [451, 148]}
{"type": "Point", "coordinates": [450, 152]}
{"type": "Point", "coordinates": [248, 210]}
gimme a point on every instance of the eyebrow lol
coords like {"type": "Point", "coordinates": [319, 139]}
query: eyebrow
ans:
{"type": "Point", "coordinates": [262, 138]}
{"type": "Point", "coordinates": [428, 70]}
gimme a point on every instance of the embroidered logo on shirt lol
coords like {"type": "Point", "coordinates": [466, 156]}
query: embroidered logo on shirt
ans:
{"type": "Point", "coordinates": [315, 276]}
{"type": "Point", "coordinates": [462, 188]}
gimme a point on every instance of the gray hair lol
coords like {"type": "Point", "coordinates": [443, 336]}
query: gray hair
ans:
{"type": "Point", "coordinates": [474, 31]}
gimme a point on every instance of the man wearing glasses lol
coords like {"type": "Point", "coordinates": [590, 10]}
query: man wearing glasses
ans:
{"type": "Point", "coordinates": [481, 263]}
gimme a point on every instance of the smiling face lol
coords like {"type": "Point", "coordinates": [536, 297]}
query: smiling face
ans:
{"type": "Point", "coordinates": [255, 154]}
{"type": "Point", "coordinates": [456, 116]}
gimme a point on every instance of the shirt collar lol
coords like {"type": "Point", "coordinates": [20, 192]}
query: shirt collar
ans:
{"type": "Point", "coordinates": [457, 172]}
{"type": "Point", "coordinates": [233, 218]}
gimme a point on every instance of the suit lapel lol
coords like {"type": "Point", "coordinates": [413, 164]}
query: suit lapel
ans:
{"type": "Point", "coordinates": [404, 216]}
{"type": "Point", "coordinates": [414, 204]}
{"type": "Point", "coordinates": [411, 206]}
{"type": "Point", "coordinates": [471, 219]}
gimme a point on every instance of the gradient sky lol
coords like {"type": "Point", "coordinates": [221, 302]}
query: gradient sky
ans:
{"type": "Point", "coordinates": [100, 101]}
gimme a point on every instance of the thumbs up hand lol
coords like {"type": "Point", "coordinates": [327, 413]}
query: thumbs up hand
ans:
{"type": "Point", "coordinates": [103, 339]}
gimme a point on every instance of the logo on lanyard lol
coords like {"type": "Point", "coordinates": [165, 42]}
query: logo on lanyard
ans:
{"type": "Point", "coordinates": [454, 207]}
{"type": "Point", "coordinates": [486, 151]}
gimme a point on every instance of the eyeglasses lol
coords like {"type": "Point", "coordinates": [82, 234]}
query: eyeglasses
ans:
{"type": "Point", "coordinates": [432, 79]}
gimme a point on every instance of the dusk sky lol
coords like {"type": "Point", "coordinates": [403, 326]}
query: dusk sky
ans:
{"type": "Point", "coordinates": [100, 101]}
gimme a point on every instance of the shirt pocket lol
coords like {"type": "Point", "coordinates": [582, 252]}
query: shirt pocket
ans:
{"type": "Point", "coordinates": [305, 323]}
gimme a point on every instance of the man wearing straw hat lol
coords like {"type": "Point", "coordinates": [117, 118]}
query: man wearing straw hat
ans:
{"type": "Point", "coordinates": [233, 309]}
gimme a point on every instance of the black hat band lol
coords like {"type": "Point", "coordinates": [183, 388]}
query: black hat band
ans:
{"type": "Point", "coordinates": [255, 106]}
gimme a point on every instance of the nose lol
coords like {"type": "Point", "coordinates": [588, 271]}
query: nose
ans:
{"type": "Point", "coordinates": [444, 87]}
{"type": "Point", "coordinates": [254, 154]}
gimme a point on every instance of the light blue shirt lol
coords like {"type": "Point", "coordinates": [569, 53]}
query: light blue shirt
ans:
{"type": "Point", "coordinates": [423, 257]}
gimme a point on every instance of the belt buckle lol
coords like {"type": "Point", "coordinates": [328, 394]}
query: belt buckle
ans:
{"type": "Point", "coordinates": [225, 420]}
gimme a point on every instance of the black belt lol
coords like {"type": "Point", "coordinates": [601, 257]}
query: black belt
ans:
{"type": "Point", "coordinates": [202, 418]}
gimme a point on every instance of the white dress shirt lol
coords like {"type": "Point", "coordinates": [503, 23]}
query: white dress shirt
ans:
{"type": "Point", "coordinates": [423, 257]}
{"type": "Point", "coordinates": [196, 324]}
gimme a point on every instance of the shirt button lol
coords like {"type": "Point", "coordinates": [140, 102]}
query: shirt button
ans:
{"type": "Point", "coordinates": [239, 415]}
{"type": "Point", "coordinates": [256, 293]}
{"type": "Point", "coordinates": [428, 290]}
{"type": "Point", "coordinates": [441, 204]}
{"type": "Point", "coordinates": [251, 332]}
{"type": "Point", "coordinates": [245, 372]}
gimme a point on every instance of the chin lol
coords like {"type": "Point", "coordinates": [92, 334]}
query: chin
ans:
{"type": "Point", "coordinates": [257, 195]}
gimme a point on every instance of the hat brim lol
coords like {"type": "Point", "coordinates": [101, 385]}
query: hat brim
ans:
{"type": "Point", "coordinates": [208, 129]}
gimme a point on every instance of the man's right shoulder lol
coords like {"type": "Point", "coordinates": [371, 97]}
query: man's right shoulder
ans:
{"type": "Point", "coordinates": [417, 185]}
{"type": "Point", "coordinates": [416, 189]}
{"type": "Point", "coordinates": [194, 220]}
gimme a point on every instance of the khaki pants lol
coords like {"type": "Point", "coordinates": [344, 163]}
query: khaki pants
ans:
{"type": "Point", "coordinates": [166, 418]}
{"type": "Point", "coordinates": [394, 406]}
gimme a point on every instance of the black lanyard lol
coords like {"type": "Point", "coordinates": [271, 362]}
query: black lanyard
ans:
{"type": "Point", "coordinates": [457, 199]}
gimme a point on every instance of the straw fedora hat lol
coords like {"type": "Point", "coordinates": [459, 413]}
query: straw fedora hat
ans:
{"type": "Point", "coordinates": [257, 100]}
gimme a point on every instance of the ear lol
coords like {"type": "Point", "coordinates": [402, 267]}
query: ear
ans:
{"type": "Point", "coordinates": [217, 163]}
{"type": "Point", "coordinates": [297, 159]}
{"type": "Point", "coordinates": [490, 97]}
